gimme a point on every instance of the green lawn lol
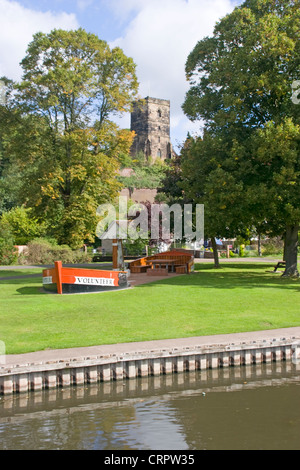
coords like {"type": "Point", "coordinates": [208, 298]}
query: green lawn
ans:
{"type": "Point", "coordinates": [238, 297]}
{"type": "Point", "coordinates": [19, 272]}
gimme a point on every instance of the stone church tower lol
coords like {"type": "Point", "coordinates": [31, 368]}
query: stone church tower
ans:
{"type": "Point", "coordinates": [150, 120]}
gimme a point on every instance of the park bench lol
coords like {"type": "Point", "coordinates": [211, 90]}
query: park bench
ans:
{"type": "Point", "coordinates": [139, 269]}
{"type": "Point", "coordinates": [280, 264]}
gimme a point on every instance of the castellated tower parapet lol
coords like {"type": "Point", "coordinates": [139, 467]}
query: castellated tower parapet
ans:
{"type": "Point", "coordinates": [150, 120]}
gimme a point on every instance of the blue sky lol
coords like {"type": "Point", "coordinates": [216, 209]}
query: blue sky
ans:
{"type": "Point", "coordinates": [157, 34]}
{"type": "Point", "coordinates": [94, 16]}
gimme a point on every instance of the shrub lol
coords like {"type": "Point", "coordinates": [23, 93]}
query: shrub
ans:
{"type": "Point", "coordinates": [134, 247]}
{"type": "Point", "coordinates": [273, 247]}
{"type": "Point", "coordinates": [8, 253]}
{"type": "Point", "coordinates": [45, 251]}
{"type": "Point", "coordinates": [22, 225]}
{"type": "Point", "coordinates": [39, 252]}
{"type": "Point", "coordinates": [149, 176]}
{"type": "Point", "coordinates": [242, 251]}
{"type": "Point", "coordinates": [81, 257]}
{"type": "Point", "coordinates": [61, 253]}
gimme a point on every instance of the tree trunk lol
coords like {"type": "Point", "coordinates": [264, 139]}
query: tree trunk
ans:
{"type": "Point", "coordinates": [215, 251]}
{"type": "Point", "coordinates": [291, 251]}
{"type": "Point", "coordinates": [284, 247]}
{"type": "Point", "coordinates": [259, 245]}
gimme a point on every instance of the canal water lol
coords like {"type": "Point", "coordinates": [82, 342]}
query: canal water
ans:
{"type": "Point", "coordinates": [250, 407]}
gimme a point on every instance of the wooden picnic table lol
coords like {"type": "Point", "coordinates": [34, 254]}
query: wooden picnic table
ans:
{"type": "Point", "coordinates": [161, 261]}
{"type": "Point", "coordinates": [280, 264]}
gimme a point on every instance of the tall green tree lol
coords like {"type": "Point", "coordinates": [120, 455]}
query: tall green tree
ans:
{"type": "Point", "coordinates": [67, 146]}
{"type": "Point", "coordinates": [241, 85]}
{"type": "Point", "coordinates": [211, 177]}
{"type": "Point", "coordinates": [276, 152]}
{"type": "Point", "coordinates": [8, 121]}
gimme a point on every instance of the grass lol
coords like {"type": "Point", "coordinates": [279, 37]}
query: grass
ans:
{"type": "Point", "coordinates": [237, 297]}
{"type": "Point", "coordinates": [19, 272]}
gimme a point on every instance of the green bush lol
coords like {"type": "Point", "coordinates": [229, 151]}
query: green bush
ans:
{"type": "Point", "coordinates": [242, 251]}
{"type": "Point", "coordinates": [136, 247]}
{"type": "Point", "coordinates": [8, 252]}
{"type": "Point", "coordinates": [45, 251]}
{"type": "Point", "coordinates": [39, 252]}
{"type": "Point", "coordinates": [22, 225]}
{"type": "Point", "coordinates": [62, 253]}
{"type": "Point", "coordinates": [80, 257]}
{"type": "Point", "coordinates": [149, 176]}
{"type": "Point", "coordinates": [272, 247]}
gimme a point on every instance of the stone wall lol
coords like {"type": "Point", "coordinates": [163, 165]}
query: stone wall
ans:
{"type": "Point", "coordinates": [128, 361]}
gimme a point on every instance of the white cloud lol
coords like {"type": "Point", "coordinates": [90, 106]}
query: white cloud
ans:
{"type": "Point", "coordinates": [159, 37]}
{"type": "Point", "coordinates": [17, 26]}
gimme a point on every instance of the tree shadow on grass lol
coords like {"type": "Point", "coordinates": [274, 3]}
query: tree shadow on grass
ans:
{"type": "Point", "coordinates": [248, 276]}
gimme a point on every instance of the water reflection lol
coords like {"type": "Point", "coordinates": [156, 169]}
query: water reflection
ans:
{"type": "Point", "coordinates": [252, 407]}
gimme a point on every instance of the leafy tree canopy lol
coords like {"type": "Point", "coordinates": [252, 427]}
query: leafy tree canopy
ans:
{"type": "Point", "coordinates": [241, 86]}
{"type": "Point", "coordinates": [63, 142]}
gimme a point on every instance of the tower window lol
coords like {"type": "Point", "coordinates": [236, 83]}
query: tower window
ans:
{"type": "Point", "coordinates": [159, 113]}
{"type": "Point", "coordinates": [158, 153]}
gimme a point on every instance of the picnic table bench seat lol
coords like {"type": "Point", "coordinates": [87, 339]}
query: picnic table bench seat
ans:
{"type": "Point", "coordinates": [139, 269]}
{"type": "Point", "coordinates": [280, 264]}
{"type": "Point", "coordinates": [176, 261]}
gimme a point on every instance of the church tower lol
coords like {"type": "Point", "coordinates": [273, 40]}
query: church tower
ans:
{"type": "Point", "coordinates": [150, 120]}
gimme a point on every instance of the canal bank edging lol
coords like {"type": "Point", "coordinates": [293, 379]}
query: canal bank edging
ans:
{"type": "Point", "coordinates": [110, 367]}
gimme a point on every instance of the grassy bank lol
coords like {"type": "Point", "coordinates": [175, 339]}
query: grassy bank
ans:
{"type": "Point", "coordinates": [238, 297]}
